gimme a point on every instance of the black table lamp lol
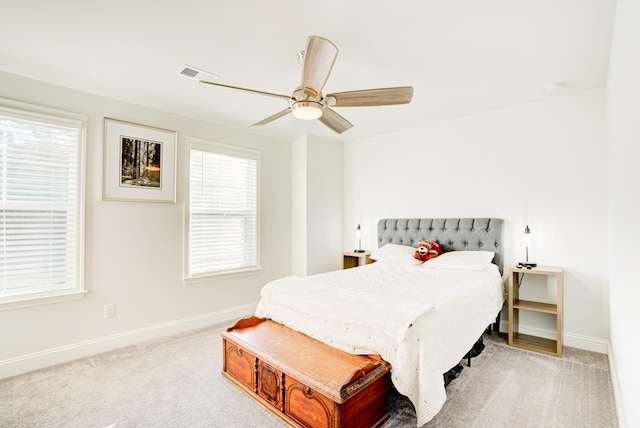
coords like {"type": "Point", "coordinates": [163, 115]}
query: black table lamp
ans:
{"type": "Point", "coordinates": [359, 235]}
{"type": "Point", "coordinates": [527, 240]}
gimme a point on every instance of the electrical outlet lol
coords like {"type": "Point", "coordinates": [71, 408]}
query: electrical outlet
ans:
{"type": "Point", "coordinates": [110, 310]}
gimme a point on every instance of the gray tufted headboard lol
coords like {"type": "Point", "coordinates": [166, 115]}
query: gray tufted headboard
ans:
{"type": "Point", "coordinates": [451, 233]}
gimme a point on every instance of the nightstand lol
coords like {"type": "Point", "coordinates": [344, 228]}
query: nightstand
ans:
{"type": "Point", "coordinates": [526, 341]}
{"type": "Point", "coordinates": [352, 259]}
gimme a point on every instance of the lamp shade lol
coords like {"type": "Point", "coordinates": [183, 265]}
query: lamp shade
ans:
{"type": "Point", "coordinates": [359, 236]}
{"type": "Point", "coordinates": [306, 110]}
{"type": "Point", "coordinates": [527, 235]}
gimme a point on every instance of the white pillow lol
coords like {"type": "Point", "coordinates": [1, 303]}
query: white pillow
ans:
{"type": "Point", "coordinates": [395, 253]}
{"type": "Point", "coordinates": [462, 260]}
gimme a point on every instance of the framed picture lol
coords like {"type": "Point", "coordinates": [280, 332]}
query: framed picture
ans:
{"type": "Point", "coordinates": [139, 163]}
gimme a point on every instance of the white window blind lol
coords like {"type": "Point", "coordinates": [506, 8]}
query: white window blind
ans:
{"type": "Point", "coordinates": [223, 211]}
{"type": "Point", "coordinates": [40, 212]}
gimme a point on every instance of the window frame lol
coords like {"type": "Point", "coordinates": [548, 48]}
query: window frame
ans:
{"type": "Point", "coordinates": [46, 114]}
{"type": "Point", "coordinates": [193, 143]}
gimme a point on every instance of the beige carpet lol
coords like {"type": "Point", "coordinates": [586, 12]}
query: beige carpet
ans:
{"type": "Point", "coordinates": [176, 382]}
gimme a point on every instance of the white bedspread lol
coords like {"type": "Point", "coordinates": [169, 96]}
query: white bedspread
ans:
{"type": "Point", "coordinates": [445, 313]}
{"type": "Point", "coordinates": [391, 315]}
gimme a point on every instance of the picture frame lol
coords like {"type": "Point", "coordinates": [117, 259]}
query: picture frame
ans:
{"type": "Point", "coordinates": [139, 162]}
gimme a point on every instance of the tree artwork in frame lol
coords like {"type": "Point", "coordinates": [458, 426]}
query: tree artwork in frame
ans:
{"type": "Point", "coordinates": [139, 162]}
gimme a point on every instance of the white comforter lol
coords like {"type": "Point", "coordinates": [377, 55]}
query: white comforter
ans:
{"type": "Point", "coordinates": [421, 320]}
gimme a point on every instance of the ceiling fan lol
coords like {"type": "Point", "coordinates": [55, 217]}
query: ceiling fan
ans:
{"type": "Point", "coordinates": [307, 101]}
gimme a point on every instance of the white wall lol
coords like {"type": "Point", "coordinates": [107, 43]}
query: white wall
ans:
{"type": "Point", "coordinates": [299, 206]}
{"type": "Point", "coordinates": [623, 120]}
{"type": "Point", "coordinates": [324, 205]}
{"type": "Point", "coordinates": [317, 205]}
{"type": "Point", "coordinates": [542, 164]}
{"type": "Point", "coordinates": [134, 250]}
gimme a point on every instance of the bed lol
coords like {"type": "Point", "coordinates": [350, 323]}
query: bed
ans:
{"type": "Point", "coordinates": [422, 318]}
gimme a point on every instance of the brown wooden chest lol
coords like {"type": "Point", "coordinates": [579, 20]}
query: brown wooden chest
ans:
{"type": "Point", "coordinates": [303, 381]}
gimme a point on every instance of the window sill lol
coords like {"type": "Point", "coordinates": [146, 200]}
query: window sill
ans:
{"type": "Point", "coordinates": [16, 302]}
{"type": "Point", "coordinates": [221, 275]}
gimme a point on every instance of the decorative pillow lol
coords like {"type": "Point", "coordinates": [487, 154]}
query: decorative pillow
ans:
{"type": "Point", "coordinates": [395, 253]}
{"type": "Point", "coordinates": [427, 250]}
{"type": "Point", "coordinates": [463, 260]}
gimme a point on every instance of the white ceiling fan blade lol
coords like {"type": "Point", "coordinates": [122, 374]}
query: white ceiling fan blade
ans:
{"type": "Point", "coordinates": [319, 57]}
{"type": "Point", "coordinates": [251, 91]}
{"type": "Point", "coordinates": [334, 121]}
{"type": "Point", "coordinates": [371, 97]}
{"type": "Point", "coordinates": [273, 117]}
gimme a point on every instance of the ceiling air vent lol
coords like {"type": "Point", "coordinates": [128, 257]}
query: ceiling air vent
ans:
{"type": "Point", "coordinates": [197, 74]}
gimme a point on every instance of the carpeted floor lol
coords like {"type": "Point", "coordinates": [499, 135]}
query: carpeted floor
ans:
{"type": "Point", "coordinates": [176, 382]}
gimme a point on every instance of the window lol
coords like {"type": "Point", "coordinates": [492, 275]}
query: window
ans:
{"type": "Point", "coordinates": [41, 212]}
{"type": "Point", "coordinates": [223, 209]}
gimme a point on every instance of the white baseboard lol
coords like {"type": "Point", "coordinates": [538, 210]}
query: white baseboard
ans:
{"type": "Point", "coordinates": [572, 340]}
{"type": "Point", "coordinates": [586, 342]}
{"type": "Point", "coordinates": [49, 357]}
{"type": "Point", "coordinates": [616, 388]}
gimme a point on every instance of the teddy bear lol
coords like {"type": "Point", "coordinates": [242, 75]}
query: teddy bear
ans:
{"type": "Point", "coordinates": [427, 250]}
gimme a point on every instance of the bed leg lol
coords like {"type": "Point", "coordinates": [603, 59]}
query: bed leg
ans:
{"type": "Point", "coordinates": [496, 325]}
{"type": "Point", "coordinates": [474, 351]}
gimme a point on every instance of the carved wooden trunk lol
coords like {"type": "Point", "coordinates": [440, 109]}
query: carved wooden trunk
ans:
{"type": "Point", "coordinates": [303, 381]}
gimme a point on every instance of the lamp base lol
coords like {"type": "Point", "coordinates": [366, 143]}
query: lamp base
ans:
{"type": "Point", "coordinates": [527, 265]}
{"type": "Point", "coordinates": [358, 251]}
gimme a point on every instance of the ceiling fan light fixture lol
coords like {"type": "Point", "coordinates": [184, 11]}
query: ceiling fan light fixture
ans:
{"type": "Point", "coordinates": [306, 110]}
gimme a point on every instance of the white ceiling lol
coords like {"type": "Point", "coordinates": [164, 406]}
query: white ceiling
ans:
{"type": "Point", "coordinates": [461, 56]}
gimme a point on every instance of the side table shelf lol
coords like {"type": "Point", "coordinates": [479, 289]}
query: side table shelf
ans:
{"type": "Point", "coordinates": [352, 259]}
{"type": "Point", "coordinates": [526, 341]}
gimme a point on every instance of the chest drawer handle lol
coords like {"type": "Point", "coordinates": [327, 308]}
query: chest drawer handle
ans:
{"type": "Point", "coordinates": [308, 392]}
